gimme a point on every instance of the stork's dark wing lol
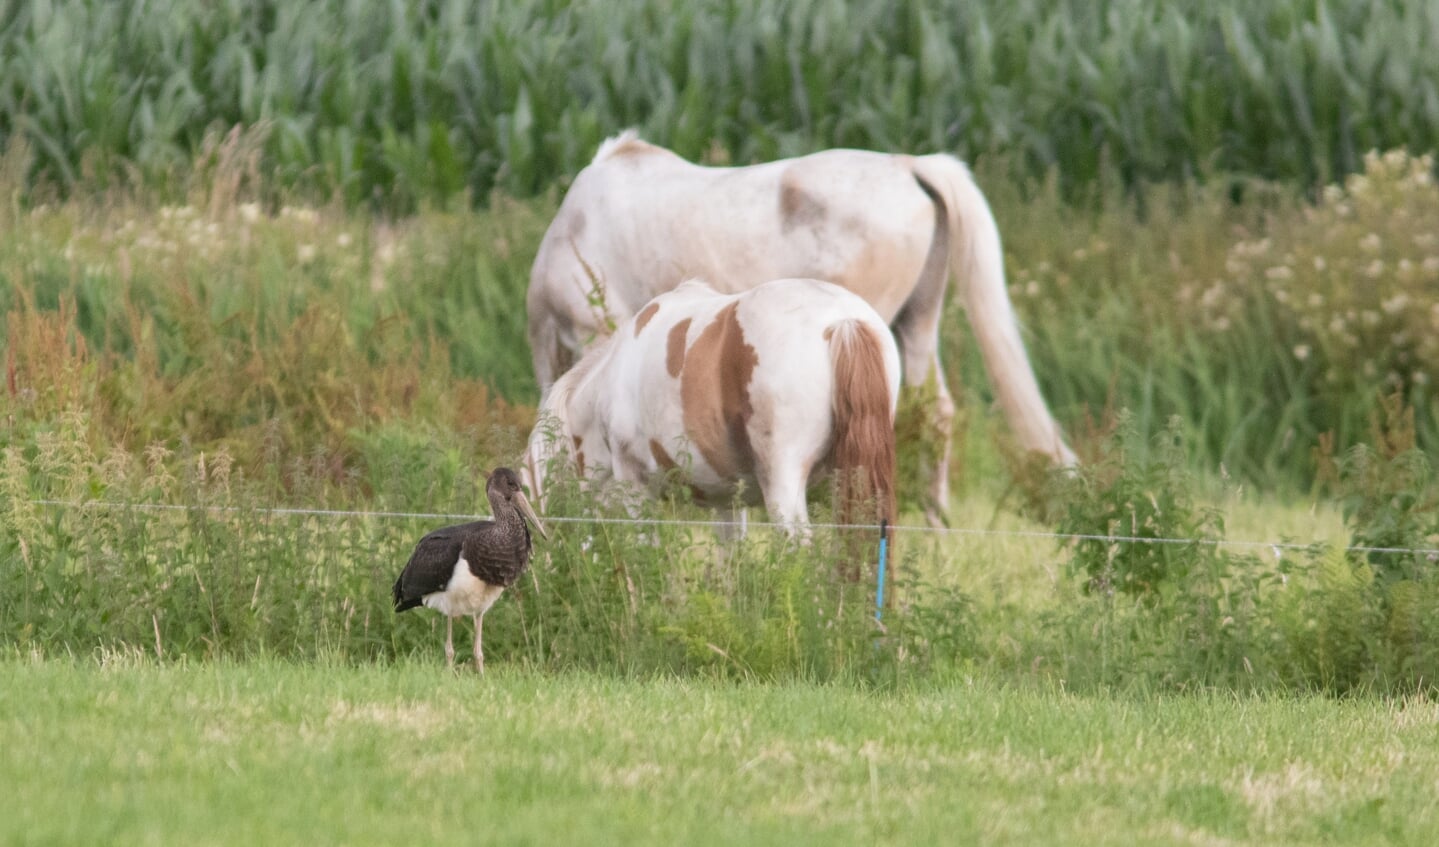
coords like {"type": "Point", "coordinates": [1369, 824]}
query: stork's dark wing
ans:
{"type": "Point", "coordinates": [432, 564]}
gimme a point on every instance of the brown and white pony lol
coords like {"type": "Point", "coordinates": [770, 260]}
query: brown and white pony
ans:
{"type": "Point", "coordinates": [891, 228]}
{"type": "Point", "coordinates": [754, 393]}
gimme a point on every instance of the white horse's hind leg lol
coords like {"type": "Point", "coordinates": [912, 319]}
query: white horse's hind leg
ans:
{"type": "Point", "coordinates": [920, 363]}
{"type": "Point", "coordinates": [944, 430]}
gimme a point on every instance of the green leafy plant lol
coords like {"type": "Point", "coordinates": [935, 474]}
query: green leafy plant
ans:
{"type": "Point", "coordinates": [1134, 524]}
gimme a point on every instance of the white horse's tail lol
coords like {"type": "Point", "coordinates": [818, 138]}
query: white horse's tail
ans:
{"type": "Point", "coordinates": [977, 260]}
{"type": "Point", "coordinates": [863, 453]}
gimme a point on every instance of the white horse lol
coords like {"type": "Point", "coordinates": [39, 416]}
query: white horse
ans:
{"type": "Point", "coordinates": [890, 228]}
{"type": "Point", "coordinates": [755, 393]}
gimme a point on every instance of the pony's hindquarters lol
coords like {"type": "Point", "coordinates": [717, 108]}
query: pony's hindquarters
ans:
{"type": "Point", "coordinates": [863, 451]}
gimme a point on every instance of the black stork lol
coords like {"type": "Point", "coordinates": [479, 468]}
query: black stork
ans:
{"type": "Point", "coordinates": [462, 569]}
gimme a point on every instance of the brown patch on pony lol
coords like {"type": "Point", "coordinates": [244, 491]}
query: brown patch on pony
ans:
{"type": "Point", "coordinates": [797, 207]}
{"type": "Point", "coordinates": [714, 394]}
{"type": "Point", "coordinates": [644, 317]}
{"type": "Point", "coordinates": [662, 456]}
{"type": "Point", "coordinates": [627, 143]}
{"type": "Point", "coordinates": [632, 147]}
{"type": "Point", "coordinates": [675, 347]}
{"type": "Point", "coordinates": [863, 450]}
{"type": "Point", "coordinates": [579, 455]}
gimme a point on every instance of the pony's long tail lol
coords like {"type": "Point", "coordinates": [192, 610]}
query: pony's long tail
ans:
{"type": "Point", "coordinates": [863, 454]}
{"type": "Point", "coordinates": [977, 259]}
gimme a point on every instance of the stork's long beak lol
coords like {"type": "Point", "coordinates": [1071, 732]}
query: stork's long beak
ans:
{"type": "Point", "coordinates": [530, 515]}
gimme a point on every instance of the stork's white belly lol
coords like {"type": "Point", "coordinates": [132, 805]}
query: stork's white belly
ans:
{"type": "Point", "coordinates": [464, 594]}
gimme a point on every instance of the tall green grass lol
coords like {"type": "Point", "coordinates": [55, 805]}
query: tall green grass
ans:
{"type": "Point", "coordinates": [422, 101]}
{"type": "Point", "coordinates": [355, 338]}
{"type": "Point", "coordinates": [184, 558]}
{"type": "Point", "coordinates": [1271, 327]}
{"type": "Point", "coordinates": [224, 356]}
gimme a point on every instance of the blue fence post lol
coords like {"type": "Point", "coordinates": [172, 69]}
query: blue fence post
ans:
{"type": "Point", "coordinates": [883, 555]}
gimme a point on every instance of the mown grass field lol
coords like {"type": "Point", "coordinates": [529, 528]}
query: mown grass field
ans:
{"type": "Point", "coordinates": [265, 751]}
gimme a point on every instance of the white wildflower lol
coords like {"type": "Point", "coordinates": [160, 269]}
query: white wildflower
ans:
{"type": "Point", "coordinates": [301, 214]}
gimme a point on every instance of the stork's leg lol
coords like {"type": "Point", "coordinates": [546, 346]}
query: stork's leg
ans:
{"type": "Point", "coordinates": [479, 652]}
{"type": "Point", "coordinates": [449, 641]}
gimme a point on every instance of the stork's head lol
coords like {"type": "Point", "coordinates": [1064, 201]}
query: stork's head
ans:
{"type": "Point", "coordinates": [504, 487]}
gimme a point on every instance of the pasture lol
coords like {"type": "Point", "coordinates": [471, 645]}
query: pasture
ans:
{"type": "Point", "coordinates": [222, 358]}
{"type": "Point", "coordinates": [125, 751]}
{"type": "Point", "coordinates": [229, 411]}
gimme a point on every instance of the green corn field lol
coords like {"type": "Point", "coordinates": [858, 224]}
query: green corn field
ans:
{"type": "Point", "coordinates": [421, 101]}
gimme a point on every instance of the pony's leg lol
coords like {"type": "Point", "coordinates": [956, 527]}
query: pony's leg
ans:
{"type": "Point", "coordinates": [736, 528]}
{"type": "Point", "coordinates": [545, 349]}
{"type": "Point", "coordinates": [784, 498]}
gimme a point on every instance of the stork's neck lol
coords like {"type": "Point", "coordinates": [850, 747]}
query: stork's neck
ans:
{"type": "Point", "coordinates": [505, 513]}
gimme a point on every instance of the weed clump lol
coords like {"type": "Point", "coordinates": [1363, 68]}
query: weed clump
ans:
{"type": "Point", "coordinates": [1165, 599]}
